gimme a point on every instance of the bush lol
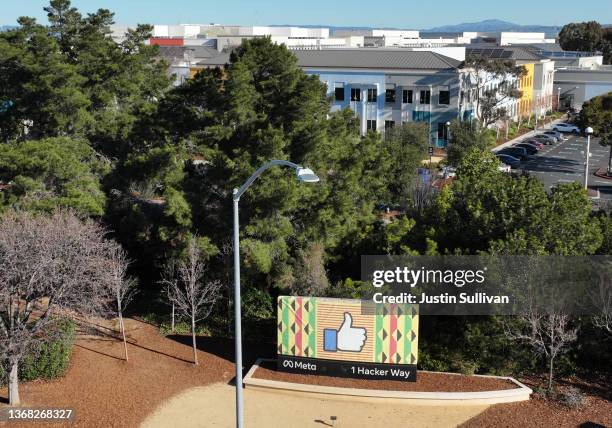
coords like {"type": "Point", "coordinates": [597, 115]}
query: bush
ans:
{"type": "Point", "coordinates": [464, 367]}
{"type": "Point", "coordinates": [51, 359]}
{"type": "Point", "coordinates": [572, 398]}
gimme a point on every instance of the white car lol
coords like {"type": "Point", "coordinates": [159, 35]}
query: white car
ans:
{"type": "Point", "coordinates": [447, 172]}
{"type": "Point", "coordinates": [504, 168]}
{"type": "Point", "coordinates": [566, 127]}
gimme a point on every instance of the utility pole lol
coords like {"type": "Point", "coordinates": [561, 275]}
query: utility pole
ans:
{"type": "Point", "coordinates": [588, 131]}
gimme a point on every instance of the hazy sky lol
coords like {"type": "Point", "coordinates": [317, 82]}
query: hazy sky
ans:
{"type": "Point", "coordinates": [415, 14]}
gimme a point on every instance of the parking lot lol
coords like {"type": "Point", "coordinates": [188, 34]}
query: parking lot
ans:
{"type": "Point", "coordinates": [563, 162]}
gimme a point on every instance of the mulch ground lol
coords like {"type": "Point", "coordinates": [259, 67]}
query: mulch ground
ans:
{"type": "Point", "coordinates": [540, 412]}
{"type": "Point", "coordinates": [426, 382]}
{"type": "Point", "coordinates": [106, 391]}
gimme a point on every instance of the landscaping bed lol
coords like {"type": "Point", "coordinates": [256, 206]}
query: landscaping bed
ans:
{"type": "Point", "coordinates": [426, 381]}
{"type": "Point", "coordinates": [595, 411]}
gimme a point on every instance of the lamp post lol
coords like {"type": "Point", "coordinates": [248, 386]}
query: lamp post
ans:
{"type": "Point", "coordinates": [559, 99]}
{"type": "Point", "coordinates": [588, 131]}
{"type": "Point", "coordinates": [303, 174]}
{"type": "Point", "coordinates": [447, 132]}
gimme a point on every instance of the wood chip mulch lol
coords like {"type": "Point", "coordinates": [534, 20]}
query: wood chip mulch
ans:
{"type": "Point", "coordinates": [540, 412]}
{"type": "Point", "coordinates": [106, 391]}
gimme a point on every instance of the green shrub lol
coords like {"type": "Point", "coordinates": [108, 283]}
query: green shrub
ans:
{"type": "Point", "coordinates": [465, 367]}
{"type": "Point", "coordinates": [51, 359]}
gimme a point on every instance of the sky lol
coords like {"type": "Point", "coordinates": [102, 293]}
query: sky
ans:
{"type": "Point", "coordinates": [409, 14]}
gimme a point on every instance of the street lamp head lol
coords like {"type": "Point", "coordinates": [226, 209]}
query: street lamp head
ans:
{"type": "Point", "coordinates": [306, 175]}
{"type": "Point", "coordinates": [447, 123]}
{"type": "Point", "coordinates": [589, 130]}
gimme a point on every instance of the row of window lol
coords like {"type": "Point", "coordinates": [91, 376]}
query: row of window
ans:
{"type": "Point", "coordinates": [442, 127]}
{"type": "Point", "coordinates": [407, 96]}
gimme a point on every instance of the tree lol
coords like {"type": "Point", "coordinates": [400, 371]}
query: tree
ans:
{"type": "Point", "coordinates": [583, 36]}
{"type": "Point", "coordinates": [500, 77]}
{"type": "Point", "coordinates": [71, 79]}
{"type": "Point", "coordinates": [597, 114]}
{"type": "Point", "coordinates": [488, 210]}
{"type": "Point", "coordinates": [260, 106]}
{"type": "Point", "coordinates": [53, 266]}
{"type": "Point", "coordinates": [310, 275]}
{"type": "Point", "coordinates": [403, 149]}
{"type": "Point", "coordinates": [43, 92]}
{"type": "Point", "coordinates": [548, 333]}
{"type": "Point", "coordinates": [53, 172]}
{"type": "Point", "coordinates": [465, 136]}
{"type": "Point", "coordinates": [122, 288]}
{"type": "Point", "coordinates": [192, 297]}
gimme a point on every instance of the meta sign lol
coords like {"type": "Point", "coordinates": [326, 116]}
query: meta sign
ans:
{"type": "Point", "coordinates": [347, 338]}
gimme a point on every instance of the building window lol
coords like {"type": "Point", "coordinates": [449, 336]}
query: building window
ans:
{"type": "Point", "coordinates": [390, 96]}
{"type": "Point", "coordinates": [371, 125]}
{"type": "Point", "coordinates": [355, 94]}
{"type": "Point", "coordinates": [444, 97]}
{"type": "Point", "coordinates": [339, 93]}
{"type": "Point", "coordinates": [371, 95]}
{"type": "Point", "coordinates": [407, 96]}
{"type": "Point", "coordinates": [389, 124]}
{"type": "Point", "coordinates": [421, 116]}
{"type": "Point", "coordinates": [442, 131]}
{"type": "Point", "coordinates": [425, 97]}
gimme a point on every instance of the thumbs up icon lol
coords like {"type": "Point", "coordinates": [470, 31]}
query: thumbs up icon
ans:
{"type": "Point", "coordinates": [347, 338]}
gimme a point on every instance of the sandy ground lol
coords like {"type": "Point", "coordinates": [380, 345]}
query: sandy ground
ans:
{"type": "Point", "coordinates": [213, 406]}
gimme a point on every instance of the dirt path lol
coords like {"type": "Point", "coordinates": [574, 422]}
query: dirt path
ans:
{"type": "Point", "coordinates": [213, 406]}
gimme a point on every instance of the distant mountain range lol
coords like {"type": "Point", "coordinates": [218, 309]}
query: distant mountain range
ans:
{"type": "Point", "coordinates": [494, 25]}
{"type": "Point", "coordinates": [488, 25]}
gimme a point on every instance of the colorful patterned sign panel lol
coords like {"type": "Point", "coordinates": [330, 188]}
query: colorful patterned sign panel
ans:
{"type": "Point", "coordinates": [322, 331]}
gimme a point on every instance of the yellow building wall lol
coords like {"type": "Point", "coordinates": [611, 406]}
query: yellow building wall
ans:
{"type": "Point", "coordinates": [526, 86]}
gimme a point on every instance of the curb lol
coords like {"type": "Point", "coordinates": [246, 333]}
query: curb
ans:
{"type": "Point", "coordinates": [526, 136]}
{"type": "Point", "coordinates": [520, 393]}
{"type": "Point", "coordinates": [602, 173]}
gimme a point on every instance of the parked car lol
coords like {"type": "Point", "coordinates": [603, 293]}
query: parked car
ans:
{"type": "Point", "coordinates": [567, 128]}
{"type": "Point", "coordinates": [531, 149]}
{"type": "Point", "coordinates": [511, 161]}
{"type": "Point", "coordinates": [517, 152]}
{"type": "Point", "coordinates": [546, 139]}
{"type": "Point", "coordinates": [535, 143]}
{"type": "Point", "coordinates": [504, 168]}
{"type": "Point", "coordinates": [559, 136]}
{"type": "Point", "coordinates": [447, 172]}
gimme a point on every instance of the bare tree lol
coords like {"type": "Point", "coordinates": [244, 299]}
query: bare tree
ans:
{"type": "Point", "coordinates": [122, 288]}
{"type": "Point", "coordinates": [548, 333]}
{"type": "Point", "coordinates": [491, 83]}
{"type": "Point", "coordinates": [601, 298]}
{"type": "Point", "coordinates": [420, 196]}
{"type": "Point", "coordinates": [52, 266]}
{"type": "Point", "coordinates": [193, 297]}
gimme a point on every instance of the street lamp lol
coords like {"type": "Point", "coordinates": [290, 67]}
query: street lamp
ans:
{"type": "Point", "coordinates": [305, 175]}
{"type": "Point", "coordinates": [559, 99]}
{"type": "Point", "coordinates": [588, 131]}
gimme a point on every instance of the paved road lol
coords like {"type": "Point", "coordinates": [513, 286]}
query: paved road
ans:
{"type": "Point", "coordinates": [563, 162]}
